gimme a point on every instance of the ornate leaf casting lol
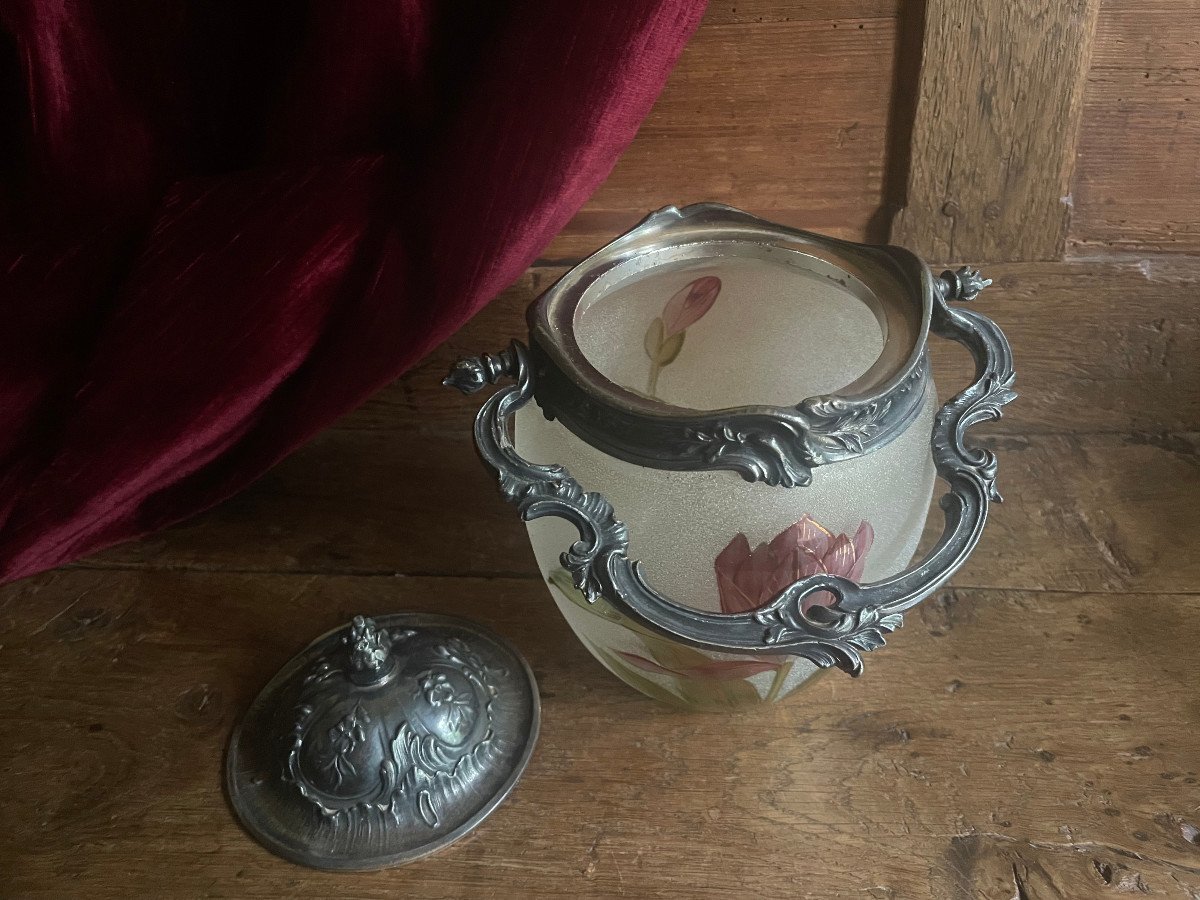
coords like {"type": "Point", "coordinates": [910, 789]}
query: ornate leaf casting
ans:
{"type": "Point", "coordinates": [772, 451]}
{"type": "Point", "coordinates": [364, 770]}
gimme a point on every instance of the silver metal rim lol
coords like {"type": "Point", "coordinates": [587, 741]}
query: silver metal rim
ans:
{"type": "Point", "coordinates": [778, 445]}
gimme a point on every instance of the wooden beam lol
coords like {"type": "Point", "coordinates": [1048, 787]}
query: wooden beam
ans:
{"type": "Point", "coordinates": [996, 127]}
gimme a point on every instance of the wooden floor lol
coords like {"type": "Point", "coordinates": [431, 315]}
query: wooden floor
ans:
{"type": "Point", "coordinates": [1034, 731]}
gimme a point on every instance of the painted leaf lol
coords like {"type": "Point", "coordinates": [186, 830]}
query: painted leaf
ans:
{"type": "Point", "coordinates": [676, 657]}
{"type": "Point", "coordinates": [724, 669]}
{"type": "Point", "coordinates": [653, 340]}
{"type": "Point", "coordinates": [712, 693]}
{"type": "Point", "coordinates": [635, 679]}
{"type": "Point", "coordinates": [695, 680]}
{"type": "Point", "coordinates": [727, 669]}
{"type": "Point", "coordinates": [662, 350]}
{"type": "Point", "coordinates": [560, 579]}
{"type": "Point", "coordinates": [670, 349]}
{"type": "Point", "coordinates": [690, 302]}
{"type": "Point", "coordinates": [648, 665]}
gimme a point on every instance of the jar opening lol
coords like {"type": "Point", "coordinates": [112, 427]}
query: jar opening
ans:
{"type": "Point", "coordinates": [731, 324]}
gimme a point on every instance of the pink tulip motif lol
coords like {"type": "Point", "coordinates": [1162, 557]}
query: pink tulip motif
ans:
{"type": "Point", "coordinates": [691, 677]}
{"type": "Point", "coordinates": [664, 337]}
{"type": "Point", "coordinates": [748, 579]}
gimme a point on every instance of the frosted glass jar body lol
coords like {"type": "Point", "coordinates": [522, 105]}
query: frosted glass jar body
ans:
{"type": "Point", "coordinates": [679, 522]}
{"type": "Point", "coordinates": [709, 333]}
{"type": "Point", "coordinates": [707, 346]}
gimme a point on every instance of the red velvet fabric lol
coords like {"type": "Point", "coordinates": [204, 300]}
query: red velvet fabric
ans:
{"type": "Point", "coordinates": [224, 225]}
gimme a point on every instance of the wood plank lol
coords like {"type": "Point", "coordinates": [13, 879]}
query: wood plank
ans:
{"type": "Point", "coordinates": [1106, 512]}
{"type": "Point", "coordinates": [359, 502]}
{"type": "Point", "coordinates": [996, 128]}
{"type": "Point", "coordinates": [993, 866]}
{"type": "Point", "coordinates": [727, 12]}
{"type": "Point", "coordinates": [1046, 738]}
{"type": "Point", "coordinates": [1137, 177]}
{"type": "Point", "coordinates": [1152, 35]}
{"type": "Point", "coordinates": [862, 218]}
{"type": "Point", "coordinates": [1030, 733]}
{"type": "Point", "coordinates": [787, 115]}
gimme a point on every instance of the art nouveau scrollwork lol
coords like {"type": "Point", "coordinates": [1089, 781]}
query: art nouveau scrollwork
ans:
{"type": "Point", "coordinates": [860, 616]}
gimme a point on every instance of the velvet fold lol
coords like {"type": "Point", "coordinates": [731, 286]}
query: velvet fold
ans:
{"type": "Point", "coordinates": [223, 226]}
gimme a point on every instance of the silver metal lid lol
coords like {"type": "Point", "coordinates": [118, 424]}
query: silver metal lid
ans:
{"type": "Point", "coordinates": [383, 741]}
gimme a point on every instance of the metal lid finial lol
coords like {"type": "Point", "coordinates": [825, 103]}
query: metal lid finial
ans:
{"type": "Point", "coordinates": [370, 650]}
{"type": "Point", "coordinates": [963, 284]}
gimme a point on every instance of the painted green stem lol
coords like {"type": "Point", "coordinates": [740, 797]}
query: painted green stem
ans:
{"type": "Point", "coordinates": [652, 382]}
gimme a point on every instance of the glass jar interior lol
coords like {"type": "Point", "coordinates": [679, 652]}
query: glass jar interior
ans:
{"type": "Point", "coordinates": [731, 330]}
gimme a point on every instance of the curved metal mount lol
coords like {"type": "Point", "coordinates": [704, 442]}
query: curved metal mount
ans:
{"type": "Point", "coordinates": [777, 446]}
{"type": "Point", "coordinates": [861, 615]}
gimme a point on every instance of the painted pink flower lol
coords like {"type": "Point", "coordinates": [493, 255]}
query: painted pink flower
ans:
{"type": "Point", "coordinates": [748, 579]}
{"type": "Point", "coordinates": [690, 302]}
{"type": "Point", "coordinates": [664, 337]}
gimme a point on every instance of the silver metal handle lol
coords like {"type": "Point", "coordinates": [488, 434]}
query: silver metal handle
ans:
{"type": "Point", "coordinates": [860, 615]}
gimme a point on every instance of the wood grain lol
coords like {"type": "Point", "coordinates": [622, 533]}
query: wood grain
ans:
{"type": "Point", "coordinates": [1116, 509]}
{"type": "Point", "coordinates": [1030, 733]}
{"type": "Point", "coordinates": [996, 128]}
{"type": "Point", "coordinates": [1137, 179]}
{"type": "Point", "coordinates": [757, 12]}
{"type": "Point", "coordinates": [779, 106]}
{"type": "Point", "coordinates": [1000, 735]}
